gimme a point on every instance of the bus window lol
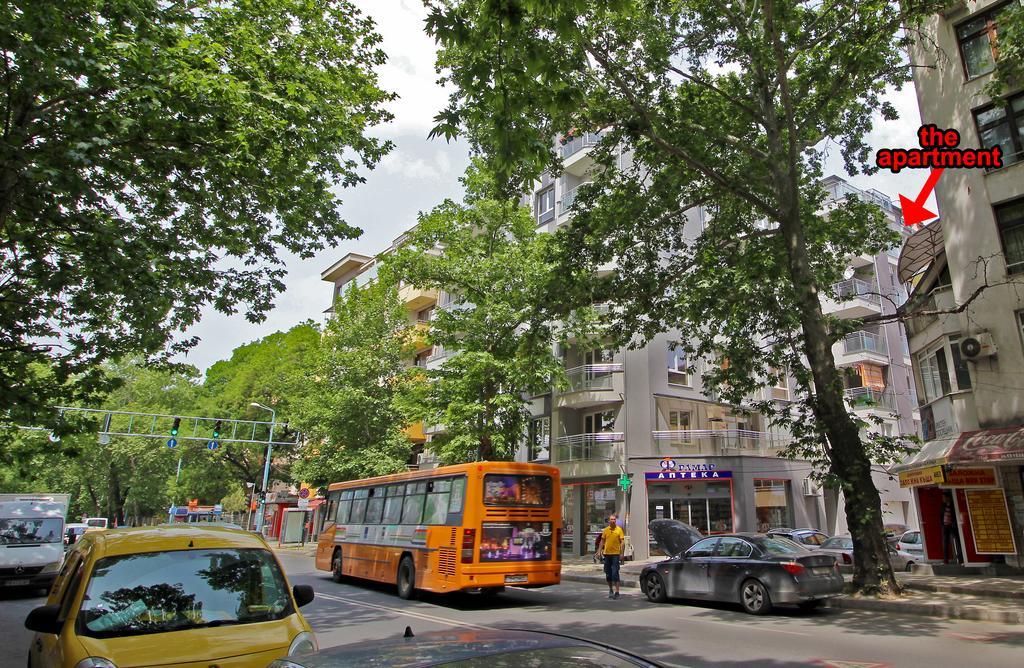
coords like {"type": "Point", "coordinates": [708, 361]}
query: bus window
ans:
{"type": "Point", "coordinates": [412, 509]}
{"type": "Point", "coordinates": [436, 508]}
{"type": "Point", "coordinates": [343, 506]}
{"type": "Point", "coordinates": [394, 497]}
{"type": "Point", "coordinates": [331, 512]}
{"type": "Point", "coordinates": [375, 507]}
{"type": "Point", "coordinates": [517, 490]}
{"type": "Point", "coordinates": [359, 506]}
{"type": "Point", "coordinates": [458, 494]}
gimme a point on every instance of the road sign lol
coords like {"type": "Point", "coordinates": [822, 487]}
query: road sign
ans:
{"type": "Point", "coordinates": [624, 482]}
{"type": "Point", "coordinates": [172, 442]}
{"type": "Point", "coordinates": [303, 503]}
{"type": "Point", "coordinates": [304, 493]}
{"type": "Point", "coordinates": [212, 445]}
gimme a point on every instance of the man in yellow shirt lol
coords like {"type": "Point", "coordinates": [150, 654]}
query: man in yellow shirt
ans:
{"type": "Point", "coordinates": [612, 540]}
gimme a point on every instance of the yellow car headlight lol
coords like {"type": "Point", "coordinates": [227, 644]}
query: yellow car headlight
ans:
{"type": "Point", "coordinates": [95, 662]}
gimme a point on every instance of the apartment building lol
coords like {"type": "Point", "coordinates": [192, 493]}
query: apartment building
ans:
{"type": "Point", "coordinates": [639, 414]}
{"type": "Point", "coordinates": [969, 361]}
{"type": "Point", "coordinates": [360, 270]}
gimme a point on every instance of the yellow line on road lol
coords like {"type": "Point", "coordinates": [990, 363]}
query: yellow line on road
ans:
{"type": "Point", "coordinates": [406, 613]}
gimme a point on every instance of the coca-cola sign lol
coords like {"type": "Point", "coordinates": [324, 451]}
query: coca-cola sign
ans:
{"type": "Point", "coordinates": [989, 445]}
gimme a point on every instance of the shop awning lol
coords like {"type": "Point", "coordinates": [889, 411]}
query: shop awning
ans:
{"type": "Point", "coordinates": [933, 452]}
{"type": "Point", "coordinates": [989, 445]}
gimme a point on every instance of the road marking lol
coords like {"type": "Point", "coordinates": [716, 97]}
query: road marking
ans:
{"type": "Point", "coordinates": [406, 613]}
{"type": "Point", "coordinates": [745, 627]}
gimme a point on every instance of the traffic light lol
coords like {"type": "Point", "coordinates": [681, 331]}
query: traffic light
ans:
{"type": "Point", "coordinates": [216, 430]}
{"type": "Point", "coordinates": [174, 427]}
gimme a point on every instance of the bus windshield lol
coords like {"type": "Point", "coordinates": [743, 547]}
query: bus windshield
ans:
{"type": "Point", "coordinates": [517, 490]}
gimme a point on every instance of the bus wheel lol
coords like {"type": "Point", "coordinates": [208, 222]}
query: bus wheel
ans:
{"type": "Point", "coordinates": [336, 573]}
{"type": "Point", "coordinates": [406, 578]}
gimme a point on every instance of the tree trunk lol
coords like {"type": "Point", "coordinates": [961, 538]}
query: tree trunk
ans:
{"type": "Point", "coordinates": [872, 572]}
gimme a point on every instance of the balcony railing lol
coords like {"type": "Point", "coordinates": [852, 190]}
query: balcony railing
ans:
{"type": "Point", "coordinates": [568, 197]}
{"type": "Point", "coordinates": [592, 376]}
{"type": "Point", "coordinates": [867, 397]}
{"type": "Point", "coordinates": [577, 144]}
{"type": "Point", "coordinates": [864, 342]}
{"type": "Point", "coordinates": [588, 447]}
{"type": "Point", "coordinates": [715, 441]}
{"type": "Point", "coordinates": [855, 287]}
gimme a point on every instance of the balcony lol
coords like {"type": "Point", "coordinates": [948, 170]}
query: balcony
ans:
{"type": "Point", "coordinates": [854, 299]}
{"type": "Point", "coordinates": [870, 399]}
{"type": "Point", "coordinates": [574, 154]}
{"type": "Point", "coordinates": [720, 441]}
{"type": "Point", "coordinates": [416, 299]}
{"type": "Point", "coordinates": [568, 197]}
{"type": "Point", "coordinates": [599, 447]}
{"type": "Point", "coordinates": [859, 347]}
{"type": "Point", "coordinates": [591, 377]}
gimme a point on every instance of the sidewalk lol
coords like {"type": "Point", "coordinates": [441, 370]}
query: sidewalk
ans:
{"type": "Point", "coordinates": [976, 597]}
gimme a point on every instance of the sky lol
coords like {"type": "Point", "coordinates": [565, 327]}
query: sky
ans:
{"type": "Point", "coordinates": [420, 173]}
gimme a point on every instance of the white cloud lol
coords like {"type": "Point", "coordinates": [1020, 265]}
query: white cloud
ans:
{"type": "Point", "coordinates": [435, 168]}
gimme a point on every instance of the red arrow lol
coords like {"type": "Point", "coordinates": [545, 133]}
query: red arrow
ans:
{"type": "Point", "coordinates": [913, 210]}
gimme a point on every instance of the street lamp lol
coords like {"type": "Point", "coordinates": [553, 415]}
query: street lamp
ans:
{"type": "Point", "coordinates": [266, 465]}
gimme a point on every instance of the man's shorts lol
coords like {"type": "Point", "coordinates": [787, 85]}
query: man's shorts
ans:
{"type": "Point", "coordinates": [611, 567]}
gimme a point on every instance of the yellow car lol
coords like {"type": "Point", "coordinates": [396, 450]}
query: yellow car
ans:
{"type": "Point", "coordinates": [170, 596]}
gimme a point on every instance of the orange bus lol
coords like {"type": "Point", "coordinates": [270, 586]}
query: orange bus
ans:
{"type": "Point", "coordinates": [469, 527]}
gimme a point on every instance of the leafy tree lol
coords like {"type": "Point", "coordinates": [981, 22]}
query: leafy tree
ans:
{"type": "Point", "coordinates": [352, 424]}
{"type": "Point", "coordinates": [1009, 72]}
{"type": "Point", "coordinates": [235, 501]}
{"type": "Point", "coordinates": [154, 158]}
{"type": "Point", "coordinates": [274, 372]}
{"type": "Point", "coordinates": [497, 267]}
{"type": "Point", "coordinates": [713, 103]}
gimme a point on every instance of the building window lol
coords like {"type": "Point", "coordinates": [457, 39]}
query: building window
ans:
{"type": "Point", "coordinates": [960, 370]}
{"type": "Point", "coordinates": [934, 374]}
{"type": "Point", "coordinates": [1010, 220]}
{"type": "Point", "coordinates": [771, 504]}
{"type": "Point", "coordinates": [425, 315]}
{"type": "Point", "coordinates": [545, 204]}
{"type": "Point", "coordinates": [678, 367]}
{"type": "Point", "coordinates": [421, 358]}
{"type": "Point", "coordinates": [977, 40]}
{"type": "Point", "coordinates": [599, 422]}
{"type": "Point", "coordinates": [680, 421]}
{"type": "Point", "coordinates": [1002, 125]}
{"type": "Point", "coordinates": [540, 438]}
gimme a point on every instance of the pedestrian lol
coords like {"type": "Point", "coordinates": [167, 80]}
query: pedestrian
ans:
{"type": "Point", "coordinates": [612, 540]}
{"type": "Point", "coordinates": [950, 537]}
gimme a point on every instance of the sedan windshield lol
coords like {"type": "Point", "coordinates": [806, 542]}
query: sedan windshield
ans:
{"type": "Point", "coordinates": [18, 531]}
{"type": "Point", "coordinates": [169, 591]}
{"type": "Point", "coordinates": [838, 543]}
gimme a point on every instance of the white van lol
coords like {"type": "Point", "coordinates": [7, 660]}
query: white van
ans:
{"type": "Point", "coordinates": [31, 542]}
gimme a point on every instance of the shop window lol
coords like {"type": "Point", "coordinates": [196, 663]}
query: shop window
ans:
{"type": "Point", "coordinates": [600, 500]}
{"type": "Point", "coordinates": [771, 504]}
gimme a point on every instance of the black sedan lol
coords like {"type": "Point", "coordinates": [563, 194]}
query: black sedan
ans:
{"type": "Point", "coordinates": [470, 649]}
{"type": "Point", "coordinates": [754, 570]}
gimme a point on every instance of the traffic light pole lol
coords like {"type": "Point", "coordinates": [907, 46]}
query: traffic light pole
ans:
{"type": "Point", "coordinates": [266, 469]}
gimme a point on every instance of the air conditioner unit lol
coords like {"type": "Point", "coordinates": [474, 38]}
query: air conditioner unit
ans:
{"type": "Point", "coordinates": [977, 345]}
{"type": "Point", "coordinates": [811, 488]}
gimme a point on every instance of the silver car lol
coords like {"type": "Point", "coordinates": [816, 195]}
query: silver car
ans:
{"type": "Point", "coordinates": [912, 542]}
{"type": "Point", "coordinates": [754, 570]}
{"type": "Point", "coordinates": [841, 547]}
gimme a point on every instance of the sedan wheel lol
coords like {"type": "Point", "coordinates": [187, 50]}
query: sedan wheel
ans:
{"type": "Point", "coordinates": [910, 566]}
{"type": "Point", "coordinates": [654, 587]}
{"type": "Point", "coordinates": [754, 597]}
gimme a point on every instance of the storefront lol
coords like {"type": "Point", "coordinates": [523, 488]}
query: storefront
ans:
{"type": "Point", "coordinates": [981, 474]}
{"type": "Point", "coordinates": [585, 510]}
{"type": "Point", "coordinates": [698, 494]}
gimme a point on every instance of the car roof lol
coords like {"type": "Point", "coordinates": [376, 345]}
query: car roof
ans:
{"type": "Point", "coordinates": [168, 538]}
{"type": "Point", "coordinates": [443, 647]}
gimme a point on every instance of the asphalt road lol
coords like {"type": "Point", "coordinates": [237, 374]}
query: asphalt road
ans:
{"type": "Point", "coordinates": [676, 634]}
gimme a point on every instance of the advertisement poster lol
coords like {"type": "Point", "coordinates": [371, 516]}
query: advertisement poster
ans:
{"type": "Point", "coordinates": [517, 490]}
{"type": "Point", "coordinates": [515, 541]}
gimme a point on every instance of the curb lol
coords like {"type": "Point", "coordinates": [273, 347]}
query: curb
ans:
{"type": "Point", "coordinates": [942, 610]}
{"type": "Point", "coordinates": [963, 590]}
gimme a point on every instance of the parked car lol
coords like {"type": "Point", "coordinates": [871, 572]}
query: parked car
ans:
{"type": "Point", "coordinates": [894, 531]}
{"type": "Point", "coordinates": [755, 570]}
{"type": "Point", "coordinates": [170, 596]}
{"type": "Point", "coordinates": [841, 547]}
{"type": "Point", "coordinates": [469, 648]}
{"type": "Point", "coordinates": [72, 532]}
{"type": "Point", "coordinates": [809, 538]}
{"type": "Point", "coordinates": [96, 522]}
{"type": "Point", "coordinates": [912, 542]}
